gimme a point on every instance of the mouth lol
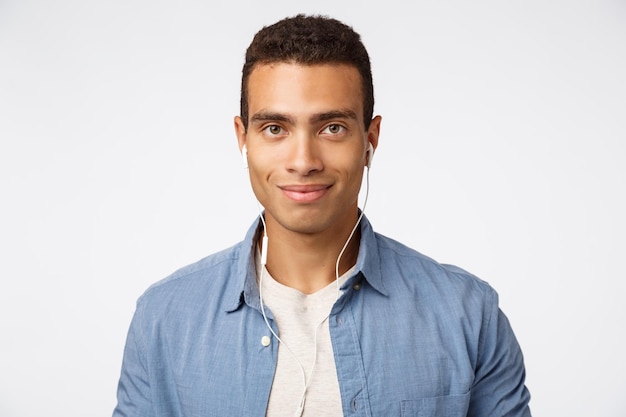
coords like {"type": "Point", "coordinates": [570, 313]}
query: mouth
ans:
{"type": "Point", "coordinates": [305, 193]}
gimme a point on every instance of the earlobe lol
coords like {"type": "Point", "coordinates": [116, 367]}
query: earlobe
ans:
{"type": "Point", "coordinates": [370, 155]}
{"type": "Point", "coordinates": [244, 156]}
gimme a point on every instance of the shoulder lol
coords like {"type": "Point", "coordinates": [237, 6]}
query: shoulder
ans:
{"type": "Point", "coordinates": [194, 283]}
{"type": "Point", "coordinates": [406, 269]}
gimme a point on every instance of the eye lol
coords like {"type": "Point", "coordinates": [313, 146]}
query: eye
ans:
{"type": "Point", "coordinates": [273, 130]}
{"type": "Point", "coordinates": [333, 129]}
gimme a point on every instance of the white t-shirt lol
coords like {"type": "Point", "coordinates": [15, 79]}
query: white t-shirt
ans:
{"type": "Point", "coordinates": [299, 317]}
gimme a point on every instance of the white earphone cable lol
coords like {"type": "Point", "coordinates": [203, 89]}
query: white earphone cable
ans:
{"type": "Point", "coordinates": [306, 382]}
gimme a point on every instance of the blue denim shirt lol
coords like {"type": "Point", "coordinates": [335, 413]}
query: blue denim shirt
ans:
{"type": "Point", "coordinates": [410, 336]}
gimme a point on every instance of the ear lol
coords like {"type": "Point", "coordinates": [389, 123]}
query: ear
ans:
{"type": "Point", "coordinates": [240, 132]}
{"type": "Point", "coordinates": [374, 131]}
{"type": "Point", "coordinates": [372, 137]}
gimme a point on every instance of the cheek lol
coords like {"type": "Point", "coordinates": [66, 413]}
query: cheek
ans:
{"type": "Point", "coordinates": [260, 178]}
{"type": "Point", "coordinates": [354, 177]}
{"type": "Point", "coordinates": [255, 174]}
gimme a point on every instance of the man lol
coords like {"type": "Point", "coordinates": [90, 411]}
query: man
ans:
{"type": "Point", "coordinates": [314, 314]}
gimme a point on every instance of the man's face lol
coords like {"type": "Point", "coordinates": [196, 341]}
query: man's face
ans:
{"type": "Point", "coordinates": [306, 144]}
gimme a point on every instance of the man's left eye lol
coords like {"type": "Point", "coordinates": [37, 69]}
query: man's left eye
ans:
{"type": "Point", "coordinates": [333, 129]}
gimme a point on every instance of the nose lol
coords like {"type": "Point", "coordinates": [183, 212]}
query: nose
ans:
{"type": "Point", "coordinates": [304, 155]}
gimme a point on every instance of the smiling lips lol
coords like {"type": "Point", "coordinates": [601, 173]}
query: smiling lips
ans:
{"type": "Point", "coordinates": [305, 193]}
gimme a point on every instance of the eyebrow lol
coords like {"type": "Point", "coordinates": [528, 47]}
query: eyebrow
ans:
{"type": "Point", "coordinates": [265, 116]}
{"type": "Point", "coordinates": [335, 114]}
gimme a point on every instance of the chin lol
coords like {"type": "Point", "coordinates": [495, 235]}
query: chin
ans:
{"type": "Point", "coordinates": [304, 223]}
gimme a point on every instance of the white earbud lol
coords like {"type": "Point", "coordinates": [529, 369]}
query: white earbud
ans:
{"type": "Point", "coordinates": [370, 155]}
{"type": "Point", "coordinates": [244, 156]}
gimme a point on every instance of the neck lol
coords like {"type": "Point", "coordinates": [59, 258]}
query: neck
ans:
{"type": "Point", "coordinates": [307, 262]}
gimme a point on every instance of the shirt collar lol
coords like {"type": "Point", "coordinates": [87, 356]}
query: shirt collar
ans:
{"type": "Point", "coordinates": [369, 262]}
{"type": "Point", "coordinates": [243, 286]}
{"type": "Point", "coordinates": [244, 283]}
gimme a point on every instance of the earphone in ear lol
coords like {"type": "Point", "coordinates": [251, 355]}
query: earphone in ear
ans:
{"type": "Point", "coordinates": [370, 155]}
{"type": "Point", "coordinates": [244, 156]}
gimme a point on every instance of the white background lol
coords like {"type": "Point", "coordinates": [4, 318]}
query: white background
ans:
{"type": "Point", "coordinates": [503, 151]}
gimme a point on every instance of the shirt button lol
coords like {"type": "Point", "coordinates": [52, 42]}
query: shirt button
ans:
{"type": "Point", "coordinates": [265, 341]}
{"type": "Point", "coordinates": [357, 287]}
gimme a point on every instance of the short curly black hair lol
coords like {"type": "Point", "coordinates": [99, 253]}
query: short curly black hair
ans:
{"type": "Point", "coordinates": [309, 40]}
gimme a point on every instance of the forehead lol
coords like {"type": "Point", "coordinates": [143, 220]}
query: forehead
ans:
{"type": "Point", "coordinates": [291, 87]}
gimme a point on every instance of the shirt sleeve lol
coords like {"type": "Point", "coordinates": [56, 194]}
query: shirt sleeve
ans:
{"type": "Point", "coordinates": [499, 389]}
{"type": "Point", "coordinates": [133, 392]}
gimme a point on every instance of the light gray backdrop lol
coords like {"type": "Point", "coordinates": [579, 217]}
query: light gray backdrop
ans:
{"type": "Point", "coordinates": [503, 150]}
